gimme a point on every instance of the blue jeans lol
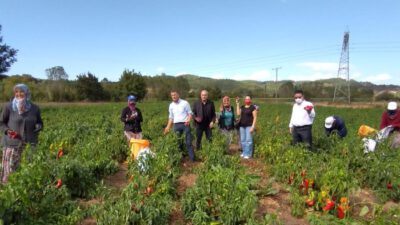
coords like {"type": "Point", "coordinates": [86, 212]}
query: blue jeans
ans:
{"type": "Point", "coordinates": [180, 128]}
{"type": "Point", "coordinates": [246, 140]}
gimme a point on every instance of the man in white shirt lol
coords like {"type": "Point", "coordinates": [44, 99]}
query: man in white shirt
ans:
{"type": "Point", "coordinates": [180, 115]}
{"type": "Point", "coordinates": [303, 115]}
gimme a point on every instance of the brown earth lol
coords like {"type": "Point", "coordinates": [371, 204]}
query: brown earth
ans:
{"type": "Point", "coordinates": [279, 203]}
{"type": "Point", "coordinates": [116, 181]}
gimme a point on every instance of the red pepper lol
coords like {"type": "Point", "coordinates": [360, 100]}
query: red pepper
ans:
{"type": "Point", "coordinates": [340, 212]}
{"type": "Point", "coordinates": [389, 186]}
{"type": "Point", "coordinates": [59, 183]}
{"type": "Point", "coordinates": [306, 184]}
{"type": "Point", "coordinates": [329, 205]}
{"type": "Point", "coordinates": [310, 202]}
{"type": "Point", "coordinates": [148, 190]}
{"type": "Point", "coordinates": [60, 153]}
{"type": "Point", "coordinates": [13, 134]}
{"type": "Point", "coordinates": [309, 107]}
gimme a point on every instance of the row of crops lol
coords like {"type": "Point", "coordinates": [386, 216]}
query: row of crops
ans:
{"type": "Point", "coordinates": [81, 145]}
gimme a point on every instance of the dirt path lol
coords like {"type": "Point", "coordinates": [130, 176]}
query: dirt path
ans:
{"type": "Point", "coordinates": [278, 204]}
{"type": "Point", "coordinates": [186, 180]}
{"type": "Point", "coordinates": [116, 181]}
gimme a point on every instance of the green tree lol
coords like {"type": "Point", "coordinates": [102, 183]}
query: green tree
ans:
{"type": "Point", "coordinates": [286, 89]}
{"type": "Point", "coordinates": [56, 73]}
{"type": "Point", "coordinates": [89, 87]}
{"type": "Point", "coordinates": [132, 83]}
{"type": "Point", "coordinates": [7, 55]}
{"type": "Point", "coordinates": [57, 84]}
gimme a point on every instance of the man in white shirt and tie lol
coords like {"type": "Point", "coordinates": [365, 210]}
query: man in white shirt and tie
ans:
{"type": "Point", "coordinates": [180, 115]}
{"type": "Point", "coordinates": [301, 121]}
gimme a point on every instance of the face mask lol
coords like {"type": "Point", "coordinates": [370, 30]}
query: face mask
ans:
{"type": "Point", "coordinates": [247, 102]}
{"type": "Point", "coordinates": [20, 102]}
{"type": "Point", "coordinates": [392, 112]}
{"type": "Point", "coordinates": [298, 100]}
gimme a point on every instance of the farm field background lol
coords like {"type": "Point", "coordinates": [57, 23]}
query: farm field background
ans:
{"type": "Point", "coordinates": [82, 147]}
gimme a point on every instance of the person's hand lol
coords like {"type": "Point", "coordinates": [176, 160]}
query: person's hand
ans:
{"type": "Point", "coordinates": [308, 108]}
{"type": "Point", "coordinates": [290, 130]}
{"type": "Point", "coordinates": [211, 124]}
{"type": "Point", "coordinates": [187, 123]}
{"type": "Point", "coordinates": [237, 100]}
{"type": "Point", "coordinates": [166, 130]}
{"type": "Point", "coordinates": [252, 129]}
{"type": "Point", "coordinates": [38, 127]}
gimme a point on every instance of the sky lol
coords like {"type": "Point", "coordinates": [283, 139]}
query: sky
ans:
{"type": "Point", "coordinates": [232, 39]}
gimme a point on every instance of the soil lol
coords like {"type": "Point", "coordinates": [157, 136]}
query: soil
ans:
{"type": "Point", "coordinates": [278, 204]}
{"type": "Point", "coordinates": [116, 181]}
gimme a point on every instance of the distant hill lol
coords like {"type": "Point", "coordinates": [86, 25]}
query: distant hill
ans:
{"type": "Point", "coordinates": [323, 88]}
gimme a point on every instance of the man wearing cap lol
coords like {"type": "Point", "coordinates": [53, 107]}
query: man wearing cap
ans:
{"type": "Point", "coordinates": [131, 116]}
{"type": "Point", "coordinates": [180, 115]}
{"type": "Point", "coordinates": [301, 121]}
{"type": "Point", "coordinates": [391, 117]}
{"type": "Point", "coordinates": [335, 123]}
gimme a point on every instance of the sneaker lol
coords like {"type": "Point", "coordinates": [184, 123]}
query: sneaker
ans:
{"type": "Point", "coordinates": [246, 157]}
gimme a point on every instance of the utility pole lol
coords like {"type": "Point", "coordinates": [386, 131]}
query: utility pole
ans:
{"type": "Point", "coordinates": [276, 80]}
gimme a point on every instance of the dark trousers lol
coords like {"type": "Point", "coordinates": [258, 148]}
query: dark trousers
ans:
{"type": "Point", "coordinates": [199, 134]}
{"type": "Point", "coordinates": [180, 128]}
{"type": "Point", "coordinates": [302, 134]}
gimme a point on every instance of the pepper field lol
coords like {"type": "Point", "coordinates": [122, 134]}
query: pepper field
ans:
{"type": "Point", "coordinates": [82, 152]}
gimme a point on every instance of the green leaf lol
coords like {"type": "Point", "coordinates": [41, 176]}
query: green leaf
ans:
{"type": "Point", "coordinates": [364, 211]}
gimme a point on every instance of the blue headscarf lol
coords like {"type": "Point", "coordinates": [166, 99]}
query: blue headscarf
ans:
{"type": "Point", "coordinates": [22, 105]}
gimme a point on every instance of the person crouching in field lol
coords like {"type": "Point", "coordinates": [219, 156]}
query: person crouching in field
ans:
{"type": "Point", "coordinates": [335, 124]}
{"type": "Point", "coordinates": [226, 121]}
{"type": "Point", "coordinates": [301, 121]}
{"type": "Point", "coordinates": [20, 122]}
{"type": "Point", "coordinates": [391, 117]}
{"type": "Point", "coordinates": [131, 116]}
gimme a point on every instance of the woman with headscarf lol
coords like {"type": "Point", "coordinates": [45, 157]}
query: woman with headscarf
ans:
{"type": "Point", "coordinates": [226, 121]}
{"type": "Point", "coordinates": [20, 122]}
{"type": "Point", "coordinates": [131, 116]}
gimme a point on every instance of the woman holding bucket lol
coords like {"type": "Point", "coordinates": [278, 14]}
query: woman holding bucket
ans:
{"type": "Point", "coordinates": [131, 116]}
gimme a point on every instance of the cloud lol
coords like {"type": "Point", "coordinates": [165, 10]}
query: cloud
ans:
{"type": "Point", "coordinates": [378, 78]}
{"type": "Point", "coordinates": [181, 73]}
{"type": "Point", "coordinates": [311, 77]}
{"type": "Point", "coordinates": [160, 69]}
{"type": "Point", "coordinates": [321, 70]}
{"type": "Point", "coordinates": [260, 75]}
{"type": "Point", "coordinates": [320, 66]}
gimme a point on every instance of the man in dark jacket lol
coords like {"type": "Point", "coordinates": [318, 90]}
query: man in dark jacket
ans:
{"type": "Point", "coordinates": [204, 117]}
{"type": "Point", "coordinates": [335, 123]}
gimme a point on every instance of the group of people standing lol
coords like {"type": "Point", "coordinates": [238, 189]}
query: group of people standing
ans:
{"type": "Point", "coordinates": [204, 117]}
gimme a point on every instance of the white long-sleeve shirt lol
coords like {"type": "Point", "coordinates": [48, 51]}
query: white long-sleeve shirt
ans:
{"type": "Point", "coordinates": [300, 116]}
